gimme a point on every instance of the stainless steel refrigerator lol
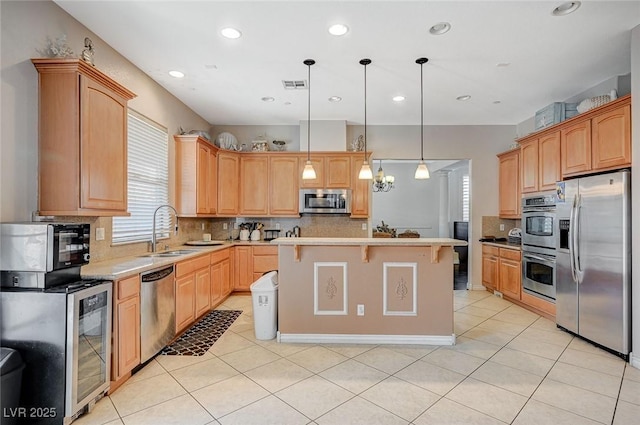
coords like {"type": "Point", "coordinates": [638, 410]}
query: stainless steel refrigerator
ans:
{"type": "Point", "coordinates": [593, 259]}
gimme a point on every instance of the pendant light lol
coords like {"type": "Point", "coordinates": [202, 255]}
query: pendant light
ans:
{"type": "Point", "coordinates": [309, 173]}
{"type": "Point", "coordinates": [365, 171]}
{"type": "Point", "coordinates": [422, 172]}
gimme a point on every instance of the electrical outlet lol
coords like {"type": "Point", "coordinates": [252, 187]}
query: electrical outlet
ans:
{"type": "Point", "coordinates": [201, 226]}
{"type": "Point", "coordinates": [225, 226]}
{"type": "Point", "coordinates": [360, 309]}
{"type": "Point", "coordinates": [497, 294]}
{"type": "Point", "coordinates": [502, 227]}
{"type": "Point", "coordinates": [364, 226]}
{"type": "Point", "coordinates": [277, 226]}
{"type": "Point", "coordinates": [235, 226]}
{"type": "Point", "coordinates": [99, 233]}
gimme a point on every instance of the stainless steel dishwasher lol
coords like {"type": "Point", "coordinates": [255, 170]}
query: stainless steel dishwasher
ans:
{"type": "Point", "coordinates": [157, 311]}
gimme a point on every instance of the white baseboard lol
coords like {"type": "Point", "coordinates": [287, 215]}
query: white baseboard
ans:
{"type": "Point", "coordinates": [634, 360]}
{"type": "Point", "coordinates": [368, 339]}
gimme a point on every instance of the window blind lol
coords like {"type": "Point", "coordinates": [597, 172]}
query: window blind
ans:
{"type": "Point", "coordinates": [147, 184]}
{"type": "Point", "coordinates": [465, 197]}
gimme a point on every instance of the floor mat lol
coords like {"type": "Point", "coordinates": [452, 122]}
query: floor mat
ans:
{"type": "Point", "coordinates": [201, 336]}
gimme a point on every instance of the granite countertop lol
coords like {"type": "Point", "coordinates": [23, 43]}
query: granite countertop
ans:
{"type": "Point", "coordinates": [119, 268]}
{"type": "Point", "coordinates": [505, 244]}
{"type": "Point", "coordinates": [371, 241]}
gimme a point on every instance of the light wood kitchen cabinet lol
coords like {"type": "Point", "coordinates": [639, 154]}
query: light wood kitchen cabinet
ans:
{"type": "Point", "coordinates": [251, 262]}
{"type": "Point", "coordinates": [220, 276]}
{"type": "Point", "coordinates": [82, 140]}
{"type": "Point", "coordinates": [265, 259]}
{"type": "Point", "coordinates": [510, 273]}
{"type": "Point", "coordinates": [509, 184]}
{"type": "Point", "coordinates": [611, 139]}
{"type": "Point", "coordinates": [337, 172]}
{"type": "Point", "coordinates": [203, 291]}
{"type": "Point", "coordinates": [360, 190]}
{"type": "Point", "coordinates": [126, 327]}
{"type": "Point", "coordinates": [185, 301]}
{"type": "Point", "coordinates": [283, 186]}
{"type": "Point", "coordinates": [490, 256]}
{"type": "Point", "coordinates": [333, 171]}
{"type": "Point", "coordinates": [228, 183]}
{"type": "Point", "coordinates": [575, 148]}
{"type": "Point", "coordinates": [540, 163]}
{"type": "Point", "coordinates": [601, 141]}
{"type": "Point", "coordinates": [318, 166]}
{"type": "Point", "coordinates": [196, 176]}
{"type": "Point", "coordinates": [243, 268]}
{"type": "Point", "coordinates": [192, 290]}
{"type": "Point", "coordinates": [254, 186]}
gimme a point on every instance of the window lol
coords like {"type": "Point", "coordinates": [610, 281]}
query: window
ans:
{"type": "Point", "coordinates": [465, 197]}
{"type": "Point", "coordinates": [148, 182]}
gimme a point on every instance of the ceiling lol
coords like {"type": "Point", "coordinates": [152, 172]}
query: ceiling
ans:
{"type": "Point", "coordinates": [550, 58]}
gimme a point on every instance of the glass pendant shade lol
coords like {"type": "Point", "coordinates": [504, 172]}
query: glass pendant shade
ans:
{"type": "Point", "coordinates": [308, 173]}
{"type": "Point", "coordinates": [422, 172]}
{"type": "Point", "coordinates": [365, 172]}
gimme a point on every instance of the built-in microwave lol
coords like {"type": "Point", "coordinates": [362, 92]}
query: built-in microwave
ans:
{"type": "Point", "coordinates": [325, 201]}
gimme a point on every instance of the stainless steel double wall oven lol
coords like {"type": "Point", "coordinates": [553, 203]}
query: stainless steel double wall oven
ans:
{"type": "Point", "coordinates": [539, 245]}
{"type": "Point", "coordinates": [59, 323]}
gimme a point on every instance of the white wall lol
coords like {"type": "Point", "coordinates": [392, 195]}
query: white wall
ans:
{"type": "Point", "coordinates": [635, 193]}
{"type": "Point", "coordinates": [25, 26]}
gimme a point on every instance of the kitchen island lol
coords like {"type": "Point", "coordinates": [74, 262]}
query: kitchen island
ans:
{"type": "Point", "coordinates": [366, 290]}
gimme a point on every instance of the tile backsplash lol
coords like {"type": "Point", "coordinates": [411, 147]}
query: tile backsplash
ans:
{"type": "Point", "coordinates": [491, 226]}
{"type": "Point", "coordinates": [192, 229]}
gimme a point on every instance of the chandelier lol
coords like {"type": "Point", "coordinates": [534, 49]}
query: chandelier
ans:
{"type": "Point", "coordinates": [382, 183]}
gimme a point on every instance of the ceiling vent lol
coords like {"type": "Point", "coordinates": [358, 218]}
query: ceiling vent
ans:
{"type": "Point", "coordinates": [295, 84]}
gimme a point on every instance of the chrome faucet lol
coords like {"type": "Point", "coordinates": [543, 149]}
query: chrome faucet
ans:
{"type": "Point", "coordinates": [153, 234]}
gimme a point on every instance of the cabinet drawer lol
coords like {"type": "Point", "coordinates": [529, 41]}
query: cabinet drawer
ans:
{"type": "Point", "coordinates": [189, 266]}
{"type": "Point", "coordinates": [265, 263]}
{"type": "Point", "coordinates": [218, 256]}
{"type": "Point", "coordinates": [490, 250]}
{"type": "Point", "coordinates": [128, 287]}
{"type": "Point", "coordinates": [265, 250]}
{"type": "Point", "coordinates": [510, 254]}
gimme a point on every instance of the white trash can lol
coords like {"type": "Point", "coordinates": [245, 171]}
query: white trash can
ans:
{"type": "Point", "coordinates": [264, 293]}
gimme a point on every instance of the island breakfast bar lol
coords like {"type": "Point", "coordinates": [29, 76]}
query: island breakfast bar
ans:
{"type": "Point", "coordinates": [366, 290]}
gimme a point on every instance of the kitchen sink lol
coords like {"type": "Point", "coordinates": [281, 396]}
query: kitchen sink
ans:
{"type": "Point", "coordinates": [174, 253]}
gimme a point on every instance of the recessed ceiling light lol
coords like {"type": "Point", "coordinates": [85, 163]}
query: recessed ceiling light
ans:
{"type": "Point", "coordinates": [440, 28]}
{"type": "Point", "coordinates": [335, 99]}
{"type": "Point", "coordinates": [268, 99]}
{"type": "Point", "coordinates": [230, 33]}
{"type": "Point", "coordinates": [338, 29]}
{"type": "Point", "coordinates": [495, 102]}
{"type": "Point", "coordinates": [463, 97]}
{"type": "Point", "coordinates": [176, 74]}
{"type": "Point", "coordinates": [503, 64]}
{"type": "Point", "coordinates": [398, 98]}
{"type": "Point", "coordinates": [566, 8]}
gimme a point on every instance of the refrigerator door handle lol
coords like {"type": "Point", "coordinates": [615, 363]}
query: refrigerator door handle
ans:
{"type": "Point", "coordinates": [572, 242]}
{"type": "Point", "coordinates": [578, 217]}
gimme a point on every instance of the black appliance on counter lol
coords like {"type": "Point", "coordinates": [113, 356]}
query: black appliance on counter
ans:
{"type": "Point", "coordinates": [58, 322]}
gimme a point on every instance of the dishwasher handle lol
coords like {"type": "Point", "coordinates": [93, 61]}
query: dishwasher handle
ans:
{"type": "Point", "coordinates": [154, 275]}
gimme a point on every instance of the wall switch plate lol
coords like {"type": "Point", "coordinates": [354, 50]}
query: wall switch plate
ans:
{"type": "Point", "coordinates": [225, 226]}
{"type": "Point", "coordinates": [235, 225]}
{"type": "Point", "coordinates": [360, 309]}
{"type": "Point", "coordinates": [364, 226]}
{"type": "Point", "coordinates": [99, 233]}
{"type": "Point", "coordinates": [502, 227]}
{"type": "Point", "coordinates": [201, 226]}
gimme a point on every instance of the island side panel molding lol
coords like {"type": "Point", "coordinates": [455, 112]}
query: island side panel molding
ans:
{"type": "Point", "coordinates": [400, 289]}
{"type": "Point", "coordinates": [432, 322]}
{"type": "Point", "coordinates": [330, 289]}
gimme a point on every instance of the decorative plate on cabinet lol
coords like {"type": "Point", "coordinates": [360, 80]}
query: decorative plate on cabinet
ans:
{"type": "Point", "coordinates": [227, 141]}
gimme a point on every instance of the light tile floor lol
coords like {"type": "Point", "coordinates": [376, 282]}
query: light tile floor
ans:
{"type": "Point", "coordinates": [509, 366]}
